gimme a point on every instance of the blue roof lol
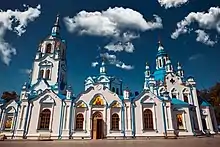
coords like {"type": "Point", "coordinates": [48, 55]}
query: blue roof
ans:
{"type": "Point", "coordinates": [176, 101]}
{"type": "Point", "coordinates": [159, 74]}
{"type": "Point", "coordinates": [203, 102]}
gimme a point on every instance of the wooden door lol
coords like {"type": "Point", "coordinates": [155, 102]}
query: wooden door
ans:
{"type": "Point", "coordinates": [94, 129]}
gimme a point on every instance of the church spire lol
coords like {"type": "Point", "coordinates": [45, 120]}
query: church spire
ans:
{"type": "Point", "coordinates": [56, 27]}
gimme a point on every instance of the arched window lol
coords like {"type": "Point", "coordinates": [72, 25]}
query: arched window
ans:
{"type": "Point", "coordinates": [117, 91]}
{"type": "Point", "coordinates": [113, 89]}
{"type": "Point", "coordinates": [115, 122]}
{"type": "Point", "coordinates": [148, 120]}
{"type": "Point", "coordinates": [48, 48]}
{"type": "Point", "coordinates": [45, 119]}
{"type": "Point", "coordinates": [164, 61]}
{"type": "Point", "coordinates": [47, 74]}
{"type": "Point", "coordinates": [41, 73]}
{"type": "Point", "coordinates": [79, 121]}
{"type": "Point", "coordinates": [173, 93]}
{"type": "Point", "coordinates": [185, 97]}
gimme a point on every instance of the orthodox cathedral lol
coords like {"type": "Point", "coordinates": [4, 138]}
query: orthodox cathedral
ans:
{"type": "Point", "coordinates": [167, 105]}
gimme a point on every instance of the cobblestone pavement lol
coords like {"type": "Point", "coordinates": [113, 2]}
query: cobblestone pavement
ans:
{"type": "Point", "coordinates": [184, 142]}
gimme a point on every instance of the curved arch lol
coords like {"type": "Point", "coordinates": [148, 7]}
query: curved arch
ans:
{"type": "Point", "coordinates": [174, 93]}
{"type": "Point", "coordinates": [185, 94]}
{"type": "Point", "coordinates": [115, 122]}
{"type": "Point", "coordinates": [161, 90]}
{"type": "Point", "coordinates": [45, 115]}
{"type": "Point", "coordinates": [147, 120]}
{"type": "Point", "coordinates": [48, 48]}
{"type": "Point", "coordinates": [98, 99]}
{"type": "Point", "coordinates": [97, 115]}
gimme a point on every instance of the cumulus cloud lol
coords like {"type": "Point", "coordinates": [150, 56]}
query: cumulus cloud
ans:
{"type": "Point", "coordinates": [112, 59]}
{"type": "Point", "coordinates": [172, 3]}
{"type": "Point", "coordinates": [119, 24]}
{"type": "Point", "coordinates": [205, 20]}
{"type": "Point", "coordinates": [110, 22]}
{"type": "Point", "coordinates": [204, 38]}
{"type": "Point", "coordinates": [120, 46]}
{"type": "Point", "coordinates": [17, 22]}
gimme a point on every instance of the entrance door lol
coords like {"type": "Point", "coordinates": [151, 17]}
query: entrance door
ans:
{"type": "Point", "coordinates": [97, 126]}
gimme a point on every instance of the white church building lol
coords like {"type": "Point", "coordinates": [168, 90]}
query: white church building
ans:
{"type": "Point", "coordinates": [47, 108]}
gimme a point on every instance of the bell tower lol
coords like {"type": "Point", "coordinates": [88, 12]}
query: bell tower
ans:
{"type": "Point", "coordinates": [49, 67]}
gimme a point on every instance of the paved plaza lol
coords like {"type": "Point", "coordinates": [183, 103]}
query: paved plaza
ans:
{"type": "Point", "coordinates": [184, 142]}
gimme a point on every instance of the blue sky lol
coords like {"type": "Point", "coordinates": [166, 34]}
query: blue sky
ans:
{"type": "Point", "coordinates": [196, 46]}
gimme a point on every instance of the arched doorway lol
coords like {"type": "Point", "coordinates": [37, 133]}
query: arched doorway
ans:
{"type": "Point", "coordinates": [97, 126]}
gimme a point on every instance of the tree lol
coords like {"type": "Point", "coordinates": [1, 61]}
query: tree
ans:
{"type": "Point", "coordinates": [9, 95]}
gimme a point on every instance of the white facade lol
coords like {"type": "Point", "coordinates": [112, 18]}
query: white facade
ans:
{"type": "Point", "coordinates": [167, 105]}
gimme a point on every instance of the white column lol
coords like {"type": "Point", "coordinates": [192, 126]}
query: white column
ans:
{"type": "Point", "coordinates": [188, 120]}
{"type": "Point", "coordinates": [155, 117]}
{"type": "Point", "coordinates": [198, 113]}
{"type": "Point", "coordinates": [2, 120]}
{"type": "Point", "coordinates": [169, 112]}
{"type": "Point", "coordinates": [51, 118]}
{"type": "Point", "coordinates": [209, 120]}
{"type": "Point", "coordinates": [85, 119]}
{"type": "Point", "coordinates": [141, 109]}
{"type": "Point", "coordinates": [129, 117]}
{"type": "Point", "coordinates": [108, 120]}
{"type": "Point", "coordinates": [88, 118]}
{"type": "Point", "coordinates": [20, 116]}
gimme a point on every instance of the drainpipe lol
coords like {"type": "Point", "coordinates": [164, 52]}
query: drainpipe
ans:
{"type": "Point", "coordinates": [164, 119]}
{"type": "Point", "coordinates": [61, 120]}
{"type": "Point", "coordinates": [26, 118]}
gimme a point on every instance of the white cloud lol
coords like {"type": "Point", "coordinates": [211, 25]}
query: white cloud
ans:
{"type": "Point", "coordinates": [203, 37]}
{"type": "Point", "coordinates": [120, 46]}
{"type": "Point", "coordinates": [110, 22]}
{"type": "Point", "coordinates": [112, 59]}
{"type": "Point", "coordinates": [172, 3]}
{"type": "Point", "coordinates": [196, 56]}
{"type": "Point", "coordinates": [208, 21]}
{"type": "Point", "coordinates": [94, 64]}
{"type": "Point", "coordinates": [124, 66]}
{"type": "Point", "coordinates": [119, 24]}
{"type": "Point", "coordinates": [15, 21]}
